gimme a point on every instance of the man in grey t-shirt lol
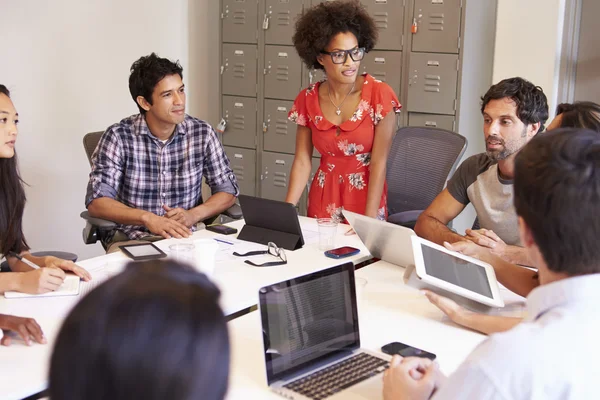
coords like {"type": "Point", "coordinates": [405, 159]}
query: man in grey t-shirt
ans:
{"type": "Point", "coordinates": [514, 111]}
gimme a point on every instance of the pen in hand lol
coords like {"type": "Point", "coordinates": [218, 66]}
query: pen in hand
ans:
{"type": "Point", "coordinates": [24, 260]}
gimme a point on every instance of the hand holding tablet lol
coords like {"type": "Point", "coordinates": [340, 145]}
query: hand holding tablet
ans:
{"type": "Point", "coordinates": [437, 268]}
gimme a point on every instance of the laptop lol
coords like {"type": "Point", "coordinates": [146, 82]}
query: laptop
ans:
{"type": "Point", "coordinates": [386, 241]}
{"type": "Point", "coordinates": [312, 342]}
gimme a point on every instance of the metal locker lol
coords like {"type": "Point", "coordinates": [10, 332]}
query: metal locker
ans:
{"type": "Point", "coordinates": [310, 76]}
{"type": "Point", "coordinates": [432, 82]}
{"type": "Point", "coordinates": [438, 26]}
{"type": "Point", "coordinates": [279, 132]}
{"type": "Point", "coordinates": [239, 69]}
{"type": "Point", "coordinates": [240, 21]}
{"type": "Point", "coordinates": [275, 175]}
{"type": "Point", "coordinates": [279, 20]}
{"type": "Point", "coordinates": [389, 18]}
{"type": "Point", "coordinates": [385, 66]}
{"type": "Point", "coordinates": [283, 72]}
{"type": "Point", "coordinates": [431, 121]}
{"type": "Point", "coordinates": [243, 164]}
{"type": "Point", "coordinates": [240, 114]}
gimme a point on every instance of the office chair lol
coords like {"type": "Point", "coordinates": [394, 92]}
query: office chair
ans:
{"type": "Point", "coordinates": [420, 161]}
{"type": "Point", "coordinates": [98, 228]}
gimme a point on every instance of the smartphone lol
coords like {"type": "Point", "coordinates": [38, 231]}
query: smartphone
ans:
{"type": "Point", "coordinates": [342, 252]}
{"type": "Point", "coordinates": [405, 350]}
{"type": "Point", "coordinates": [223, 229]}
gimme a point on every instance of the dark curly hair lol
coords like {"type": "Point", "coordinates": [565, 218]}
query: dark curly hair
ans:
{"type": "Point", "coordinates": [319, 24]}
{"type": "Point", "coordinates": [532, 105]}
{"type": "Point", "coordinates": [147, 72]}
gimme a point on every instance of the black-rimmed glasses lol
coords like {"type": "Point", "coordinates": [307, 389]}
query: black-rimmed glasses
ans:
{"type": "Point", "coordinates": [272, 249]}
{"type": "Point", "coordinates": [340, 56]}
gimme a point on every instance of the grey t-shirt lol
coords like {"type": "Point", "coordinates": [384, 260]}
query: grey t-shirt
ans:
{"type": "Point", "coordinates": [478, 181]}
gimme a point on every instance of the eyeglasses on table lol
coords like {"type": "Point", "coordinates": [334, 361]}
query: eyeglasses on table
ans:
{"type": "Point", "coordinates": [272, 249]}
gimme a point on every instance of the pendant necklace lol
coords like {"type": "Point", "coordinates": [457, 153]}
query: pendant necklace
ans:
{"type": "Point", "coordinates": [337, 108]}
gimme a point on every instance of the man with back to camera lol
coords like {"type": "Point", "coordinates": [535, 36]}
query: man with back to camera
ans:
{"type": "Point", "coordinates": [551, 355]}
{"type": "Point", "coordinates": [514, 111]}
{"type": "Point", "coordinates": [147, 169]}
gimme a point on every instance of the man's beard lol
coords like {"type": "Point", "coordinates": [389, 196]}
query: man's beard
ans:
{"type": "Point", "coordinates": [508, 149]}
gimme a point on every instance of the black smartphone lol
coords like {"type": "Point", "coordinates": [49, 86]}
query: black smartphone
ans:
{"type": "Point", "coordinates": [405, 350]}
{"type": "Point", "coordinates": [342, 252]}
{"type": "Point", "coordinates": [223, 229]}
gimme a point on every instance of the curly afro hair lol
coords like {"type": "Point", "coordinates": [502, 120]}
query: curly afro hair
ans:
{"type": "Point", "coordinates": [319, 24]}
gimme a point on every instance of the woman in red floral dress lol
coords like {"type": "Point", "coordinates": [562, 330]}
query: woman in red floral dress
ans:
{"type": "Point", "coordinates": [348, 117]}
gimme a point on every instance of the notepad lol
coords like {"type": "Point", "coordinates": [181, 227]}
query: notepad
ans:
{"type": "Point", "coordinates": [70, 287]}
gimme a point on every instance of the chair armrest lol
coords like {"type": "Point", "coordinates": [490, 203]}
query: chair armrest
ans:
{"type": "Point", "coordinates": [102, 224]}
{"type": "Point", "coordinates": [234, 212]}
{"type": "Point", "coordinates": [407, 219]}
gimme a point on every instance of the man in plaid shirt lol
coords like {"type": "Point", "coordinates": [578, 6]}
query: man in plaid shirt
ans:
{"type": "Point", "coordinates": [147, 169]}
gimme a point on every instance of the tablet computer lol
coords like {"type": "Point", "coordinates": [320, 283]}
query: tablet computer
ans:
{"type": "Point", "coordinates": [456, 273]}
{"type": "Point", "coordinates": [142, 251]}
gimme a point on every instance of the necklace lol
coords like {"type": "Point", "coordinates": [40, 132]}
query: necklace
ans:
{"type": "Point", "coordinates": [337, 108]}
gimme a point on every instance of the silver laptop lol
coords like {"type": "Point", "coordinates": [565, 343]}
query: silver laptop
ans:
{"type": "Point", "coordinates": [386, 241]}
{"type": "Point", "coordinates": [312, 342]}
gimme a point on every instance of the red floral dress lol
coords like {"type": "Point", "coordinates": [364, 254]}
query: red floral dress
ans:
{"type": "Point", "coordinates": [343, 177]}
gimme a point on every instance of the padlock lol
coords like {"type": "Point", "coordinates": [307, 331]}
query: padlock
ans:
{"type": "Point", "coordinates": [414, 28]}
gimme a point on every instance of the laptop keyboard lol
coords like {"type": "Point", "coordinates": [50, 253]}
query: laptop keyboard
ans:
{"type": "Point", "coordinates": [337, 377]}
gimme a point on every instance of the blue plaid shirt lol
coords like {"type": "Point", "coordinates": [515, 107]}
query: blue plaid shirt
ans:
{"type": "Point", "coordinates": [135, 168]}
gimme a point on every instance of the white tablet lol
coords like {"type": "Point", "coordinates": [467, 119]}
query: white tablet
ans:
{"type": "Point", "coordinates": [456, 273]}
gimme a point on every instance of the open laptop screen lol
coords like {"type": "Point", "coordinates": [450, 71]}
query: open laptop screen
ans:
{"type": "Point", "coordinates": [308, 319]}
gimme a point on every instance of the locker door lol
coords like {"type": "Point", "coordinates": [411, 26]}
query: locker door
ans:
{"type": "Point", "coordinates": [283, 72]}
{"type": "Point", "coordinates": [431, 121]}
{"type": "Point", "coordinates": [280, 135]}
{"type": "Point", "coordinates": [240, 21]}
{"type": "Point", "coordinates": [275, 175]}
{"type": "Point", "coordinates": [389, 18]}
{"type": "Point", "coordinates": [310, 76]}
{"type": "Point", "coordinates": [438, 26]}
{"type": "Point", "coordinates": [385, 66]}
{"type": "Point", "coordinates": [240, 115]}
{"type": "Point", "coordinates": [238, 69]}
{"type": "Point", "coordinates": [243, 164]}
{"type": "Point", "coordinates": [432, 83]}
{"type": "Point", "coordinates": [280, 20]}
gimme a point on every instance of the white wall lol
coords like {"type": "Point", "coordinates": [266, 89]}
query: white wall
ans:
{"type": "Point", "coordinates": [528, 43]}
{"type": "Point", "coordinates": [67, 64]}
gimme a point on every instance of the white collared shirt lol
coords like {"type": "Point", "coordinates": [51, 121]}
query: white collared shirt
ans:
{"type": "Point", "coordinates": [553, 354]}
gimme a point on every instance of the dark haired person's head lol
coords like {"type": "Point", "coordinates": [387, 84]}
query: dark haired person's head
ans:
{"type": "Point", "coordinates": [12, 194]}
{"type": "Point", "coordinates": [156, 86]}
{"type": "Point", "coordinates": [333, 27]}
{"type": "Point", "coordinates": [156, 331]}
{"type": "Point", "coordinates": [557, 199]}
{"type": "Point", "coordinates": [581, 114]}
{"type": "Point", "coordinates": [514, 111]}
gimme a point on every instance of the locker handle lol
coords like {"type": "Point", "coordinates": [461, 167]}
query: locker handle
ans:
{"type": "Point", "coordinates": [431, 123]}
{"type": "Point", "coordinates": [380, 1]}
{"type": "Point", "coordinates": [280, 162]}
{"type": "Point", "coordinates": [380, 60]}
{"type": "Point", "coordinates": [433, 63]}
{"type": "Point", "coordinates": [238, 156]}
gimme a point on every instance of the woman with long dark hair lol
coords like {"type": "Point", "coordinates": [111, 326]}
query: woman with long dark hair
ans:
{"type": "Point", "coordinates": [13, 245]}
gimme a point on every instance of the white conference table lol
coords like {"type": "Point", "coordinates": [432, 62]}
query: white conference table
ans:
{"type": "Point", "coordinates": [388, 311]}
{"type": "Point", "coordinates": [24, 370]}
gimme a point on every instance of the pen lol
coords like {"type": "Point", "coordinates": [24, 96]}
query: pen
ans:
{"type": "Point", "coordinates": [222, 241]}
{"type": "Point", "coordinates": [24, 260]}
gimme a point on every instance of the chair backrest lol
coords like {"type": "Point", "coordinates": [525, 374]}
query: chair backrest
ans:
{"type": "Point", "coordinates": [420, 161]}
{"type": "Point", "coordinates": [90, 141]}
